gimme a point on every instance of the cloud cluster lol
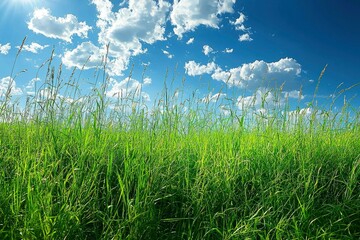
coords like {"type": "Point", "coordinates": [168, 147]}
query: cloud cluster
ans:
{"type": "Point", "coordinates": [167, 53]}
{"type": "Point", "coordinates": [125, 30]}
{"type": "Point", "coordinates": [239, 26]}
{"type": "Point", "coordinates": [4, 49]}
{"type": "Point", "coordinates": [187, 15]}
{"type": "Point", "coordinates": [57, 27]}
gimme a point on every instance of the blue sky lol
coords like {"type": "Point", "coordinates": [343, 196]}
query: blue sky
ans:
{"type": "Point", "coordinates": [222, 48]}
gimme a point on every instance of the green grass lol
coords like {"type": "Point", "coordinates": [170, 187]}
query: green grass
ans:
{"type": "Point", "coordinates": [81, 171]}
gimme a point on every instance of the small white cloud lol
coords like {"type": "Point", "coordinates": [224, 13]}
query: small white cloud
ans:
{"type": "Point", "coordinates": [187, 15]}
{"type": "Point", "coordinates": [168, 54]}
{"type": "Point", "coordinates": [147, 81]}
{"type": "Point", "coordinates": [33, 47]}
{"type": "Point", "coordinates": [190, 41]}
{"type": "Point", "coordinates": [60, 28]}
{"type": "Point", "coordinates": [4, 49]}
{"type": "Point", "coordinates": [294, 94]}
{"type": "Point", "coordinates": [300, 113]}
{"type": "Point", "coordinates": [8, 86]}
{"type": "Point", "coordinates": [245, 38]}
{"type": "Point", "coordinates": [228, 50]}
{"type": "Point", "coordinates": [213, 97]}
{"type": "Point", "coordinates": [194, 69]}
{"type": "Point", "coordinates": [207, 49]}
{"type": "Point", "coordinates": [128, 88]}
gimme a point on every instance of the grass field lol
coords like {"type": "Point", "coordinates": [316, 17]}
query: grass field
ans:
{"type": "Point", "coordinates": [81, 170]}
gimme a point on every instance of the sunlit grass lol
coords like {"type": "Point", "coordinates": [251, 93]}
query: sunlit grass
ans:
{"type": "Point", "coordinates": [89, 168]}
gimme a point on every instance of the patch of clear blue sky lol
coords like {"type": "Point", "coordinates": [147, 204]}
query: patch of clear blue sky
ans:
{"type": "Point", "coordinates": [315, 33]}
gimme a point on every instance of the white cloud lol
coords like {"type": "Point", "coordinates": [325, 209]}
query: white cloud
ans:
{"type": "Point", "coordinates": [207, 49]}
{"type": "Point", "coordinates": [85, 55]}
{"type": "Point", "coordinates": [228, 50]}
{"type": "Point", "coordinates": [187, 15]}
{"type": "Point", "coordinates": [8, 86]}
{"type": "Point", "coordinates": [259, 73]}
{"type": "Point", "coordinates": [212, 97]}
{"type": "Point", "coordinates": [60, 28]}
{"type": "Point", "coordinates": [190, 41]}
{"type": "Point", "coordinates": [262, 98]}
{"type": "Point", "coordinates": [239, 23]}
{"type": "Point", "coordinates": [167, 54]}
{"type": "Point", "coordinates": [128, 88]}
{"type": "Point", "coordinates": [225, 110]}
{"type": "Point", "coordinates": [30, 87]}
{"type": "Point", "coordinates": [147, 81]}
{"type": "Point", "coordinates": [294, 94]}
{"type": "Point", "coordinates": [239, 26]}
{"type": "Point", "coordinates": [33, 47]}
{"type": "Point", "coordinates": [225, 6]}
{"type": "Point", "coordinates": [245, 38]}
{"type": "Point", "coordinates": [126, 30]}
{"type": "Point", "coordinates": [4, 49]}
{"type": "Point", "coordinates": [194, 69]}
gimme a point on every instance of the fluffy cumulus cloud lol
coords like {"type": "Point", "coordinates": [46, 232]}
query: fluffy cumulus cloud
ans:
{"type": "Point", "coordinates": [260, 73]}
{"type": "Point", "coordinates": [141, 21]}
{"type": "Point", "coordinates": [86, 55]}
{"type": "Point", "coordinates": [207, 49]}
{"type": "Point", "coordinates": [4, 49]}
{"type": "Point", "coordinates": [194, 69]}
{"type": "Point", "coordinates": [33, 47]}
{"type": "Point", "coordinates": [187, 15]}
{"type": "Point", "coordinates": [57, 27]}
{"type": "Point", "coordinates": [8, 86]}
{"type": "Point", "coordinates": [128, 88]}
{"type": "Point", "coordinates": [245, 38]}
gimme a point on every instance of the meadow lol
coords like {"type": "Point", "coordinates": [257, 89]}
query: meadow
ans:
{"type": "Point", "coordinates": [87, 168]}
